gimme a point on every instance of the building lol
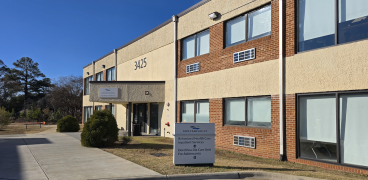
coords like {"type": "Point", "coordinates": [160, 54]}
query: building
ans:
{"type": "Point", "coordinates": [233, 69]}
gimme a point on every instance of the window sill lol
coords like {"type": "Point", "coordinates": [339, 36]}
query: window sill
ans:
{"type": "Point", "coordinates": [195, 57]}
{"type": "Point", "coordinates": [254, 40]}
{"type": "Point", "coordinates": [248, 127]}
{"type": "Point", "coordinates": [335, 45]}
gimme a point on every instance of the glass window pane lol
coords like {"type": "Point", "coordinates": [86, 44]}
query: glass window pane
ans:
{"type": "Point", "coordinates": [259, 23]}
{"type": "Point", "coordinates": [353, 20]}
{"type": "Point", "coordinates": [187, 114]}
{"type": "Point", "coordinates": [353, 129]}
{"type": "Point", "coordinates": [318, 127]}
{"type": "Point", "coordinates": [203, 43]}
{"type": "Point", "coordinates": [235, 31]}
{"type": "Point", "coordinates": [113, 110]}
{"type": "Point", "coordinates": [316, 24]}
{"type": "Point", "coordinates": [188, 47]}
{"type": "Point", "coordinates": [108, 72]}
{"type": "Point", "coordinates": [202, 114]}
{"type": "Point", "coordinates": [235, 111]}
{"type": "Point", "coordinates": [113, 73]}
{"type": "Point", "coordinates": [259, 112]}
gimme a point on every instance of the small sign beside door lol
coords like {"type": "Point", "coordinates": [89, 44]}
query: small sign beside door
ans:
{"type": "Point", "coordinates": [108, 93]}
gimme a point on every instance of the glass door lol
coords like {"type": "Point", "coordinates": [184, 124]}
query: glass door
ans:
{"type": "Point", "coordinates": [154, 118]}
{"type": "Point", "coordinates": [142, 117]}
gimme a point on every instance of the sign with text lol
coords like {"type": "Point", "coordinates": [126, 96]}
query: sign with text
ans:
{"type": "Point", "coordinates": [108, 93]}
{"type": "Point", "coordinates": [194, 143]}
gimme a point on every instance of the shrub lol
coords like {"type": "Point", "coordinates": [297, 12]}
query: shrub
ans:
{"type": "Point", "coordinates": [30, 113]}
{"type": "Point", "coordinates": [4, 118]}
{"type": "Point", "coordinates": [127, 139]}
{"type": "Point", "coordinates": [68, 124]}
{"type": "Point", "coordinates": [100, 130]}
{"type": "Point", "coordinates": [22, 114]}
{"type": "Point", "coordinates": [36, 114]}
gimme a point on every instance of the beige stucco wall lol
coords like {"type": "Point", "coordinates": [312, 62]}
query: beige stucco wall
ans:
{"type": "Point", "coordinates": [121, 115]}
{"type": "Point", "coordinates": [250, 80]}
{"type": "Point", "coordinates": [153, 41]}
{"type": "Point", "coordinates": [343, 67]}
{"type": "Point", "coordinates": [108, 61]}
{"type": "Point", "coordinates": [160, 66]}
{"type": "Point", "coordinates": [88, 69]}
{"type": "Point", "coordinates": [198, 19]}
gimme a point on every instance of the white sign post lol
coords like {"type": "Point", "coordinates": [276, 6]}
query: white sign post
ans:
{"type": "Point", "coordinates": [194, 143]}
{"type": "Point", "coordinates": [108, 93]}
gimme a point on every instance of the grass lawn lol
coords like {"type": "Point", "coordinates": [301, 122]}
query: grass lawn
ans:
{"type": "Point", "coordinates": [21, 129]}
{"type": "Point", "coordinates": [140, 149]}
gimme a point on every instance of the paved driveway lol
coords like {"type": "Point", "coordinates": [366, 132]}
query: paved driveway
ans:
{"type": "Point", "coordinates": [51, 155]}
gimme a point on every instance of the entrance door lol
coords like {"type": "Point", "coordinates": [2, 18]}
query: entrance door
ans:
{"type": "Point", "coordinates": [154, 118]}
{"type": "Point", "coordinates": [140, 116]}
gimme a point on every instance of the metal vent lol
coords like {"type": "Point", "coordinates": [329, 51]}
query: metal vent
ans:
{"type": "Point", "coordinates": [249, 142]}
{"type": "Point", "coordinates": [244, 55]}
{"type": "Point", "coordinates": [193, 67]}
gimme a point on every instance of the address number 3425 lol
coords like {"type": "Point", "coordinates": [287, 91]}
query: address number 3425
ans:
{"type": "Point", "coordinates": [139, 64]}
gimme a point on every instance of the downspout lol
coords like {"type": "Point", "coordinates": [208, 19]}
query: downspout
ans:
{"type": "Point", "coordinates": [281, 77]}
{"type": "Point", "coordinates": [175, 20]}
{"type": "Point", "coordinates": [93, 79]}
{"type": "Point", "coordinates": [116, 64]}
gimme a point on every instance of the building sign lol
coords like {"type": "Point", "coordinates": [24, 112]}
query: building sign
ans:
{"type": "Point", "coordinates": [194, 143]}
{"type": "Point", "coordinates": [108, 93]}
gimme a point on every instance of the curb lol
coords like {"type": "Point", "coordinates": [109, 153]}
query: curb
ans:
{"type": "Point", "coordinates": [224, 175]}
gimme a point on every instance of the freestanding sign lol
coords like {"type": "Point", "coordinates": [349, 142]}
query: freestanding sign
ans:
{"type": "Point", "coordinates": [194, 143]}
{"type": "Point", "coordinates": [108, 93]}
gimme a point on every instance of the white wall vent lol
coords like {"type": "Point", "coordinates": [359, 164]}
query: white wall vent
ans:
{"type": "Point", "coordinates": [244, 55]}
{"type": "Point", "coordinates": [249, 142]}
{"type": "Point", "coordinates": [193, 67]}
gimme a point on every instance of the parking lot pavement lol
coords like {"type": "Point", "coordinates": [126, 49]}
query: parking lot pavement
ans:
{"type": "Point", "coordinates": [51, 155]}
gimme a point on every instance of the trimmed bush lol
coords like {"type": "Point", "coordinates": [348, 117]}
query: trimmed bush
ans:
{"type": "Point", "coordinates": [100, 130]}
{"type": "Point", "coordinates": [4, 118]}
{"type": "Point", "coordinates": [68, 124]}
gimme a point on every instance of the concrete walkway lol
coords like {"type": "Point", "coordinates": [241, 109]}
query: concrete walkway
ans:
{"type": "Point", "coordinates": [51, 155]}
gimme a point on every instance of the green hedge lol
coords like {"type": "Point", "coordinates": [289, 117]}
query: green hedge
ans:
{"type": "Point", "coordinates": [68, 124]}
{"type": "Point", "coordinates": [100, 130]}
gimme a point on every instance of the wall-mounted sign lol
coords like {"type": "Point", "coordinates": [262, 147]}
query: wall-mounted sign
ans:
{"type": "Point", "coordinates": [194, 143]}
{"type": "Point", "coordinates": [108, 93]}
{"type": "Point", "coordinates": [139, 64]}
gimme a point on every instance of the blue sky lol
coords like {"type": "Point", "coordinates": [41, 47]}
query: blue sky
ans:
{"type": "Point", "coordinates": [65, 35]}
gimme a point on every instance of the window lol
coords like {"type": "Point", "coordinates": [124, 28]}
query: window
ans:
{"type": "Point", "coordinates": [250, 111]}
{"type": "Point", "coordinates": [98, 108]}
{"type": "Point", "coordinates": [195, 111]}
{"type": "Point", "coordinates": [196, 45]}
{"type": "Point", "coordinates": [87, 85]}
{"type": "Point", "coordinates": [318, 26]}
{"type": "Point", "coordinates": [249, 27]}
{"type": "Point", "coordinates": [113, 109]}
{"type": "Point", "coordinates": [88, 111]}
{"type": "Point", "coordinates": [99, 76]}
{"type": "Point", "coordinates": [318, 122]}
{"type": "Point", "coordinates": [110, 74]}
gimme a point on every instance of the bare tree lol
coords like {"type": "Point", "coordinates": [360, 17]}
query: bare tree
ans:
{"type": "Point", "coordinates": [66, 94]}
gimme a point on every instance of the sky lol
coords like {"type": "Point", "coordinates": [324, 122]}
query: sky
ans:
{"type": "Point", "coordinates": [62, 36]}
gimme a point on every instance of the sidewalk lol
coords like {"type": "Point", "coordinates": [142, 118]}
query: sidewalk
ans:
{"type": "Point", "coordinates": [51, 155]}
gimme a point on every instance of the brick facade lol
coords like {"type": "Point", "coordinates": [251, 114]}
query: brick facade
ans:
{"type": "Point", "coordinates": [220, 57]}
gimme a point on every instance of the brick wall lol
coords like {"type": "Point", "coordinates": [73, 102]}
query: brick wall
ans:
{"type": "Point", "coordinates": [104, 75]}
{"type": "Point", "coordinates": [220, 58]}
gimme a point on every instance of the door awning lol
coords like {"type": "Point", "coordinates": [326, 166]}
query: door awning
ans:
{"type": "Point", "coordinates": [127, 91]}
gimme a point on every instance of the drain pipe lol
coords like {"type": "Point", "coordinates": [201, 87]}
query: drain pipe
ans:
{"type": "Point", "coordinates": [281, 77]}
{"type": "Point", "coordinates": [175, 21]}
{"type": "Point", "coordinates": [93, 79]}
{"type": "Point", "coordinates": [116, 64]}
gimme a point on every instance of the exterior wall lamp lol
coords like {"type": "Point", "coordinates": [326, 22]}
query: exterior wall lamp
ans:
{"type": "Point", "coordinates": [214, 15]}
{"type": "Point", "coordinates": [87, 73]}
{"type": "Point", "coordinates": [103, 66]}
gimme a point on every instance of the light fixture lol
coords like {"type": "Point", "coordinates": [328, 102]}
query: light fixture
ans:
{"type": "Point", "coordinates": [103, 66]}
{"type": "Point", "coordinates": [213, 15]}
{"type": "Point", "coordinates": [146, 92]}
{"type": "Point", "coordinates": [87, 73]}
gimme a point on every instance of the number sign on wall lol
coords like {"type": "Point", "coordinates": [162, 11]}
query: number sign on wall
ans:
{"type": "Point", "coordinates": [139, 64]}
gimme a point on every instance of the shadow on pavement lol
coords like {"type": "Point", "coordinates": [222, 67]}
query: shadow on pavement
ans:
{"type": "Point", "coordinates": [16, 158]}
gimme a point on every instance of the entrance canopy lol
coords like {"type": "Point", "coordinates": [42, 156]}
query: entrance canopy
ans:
{"type": "Point", "coordinates": [123, 92]}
